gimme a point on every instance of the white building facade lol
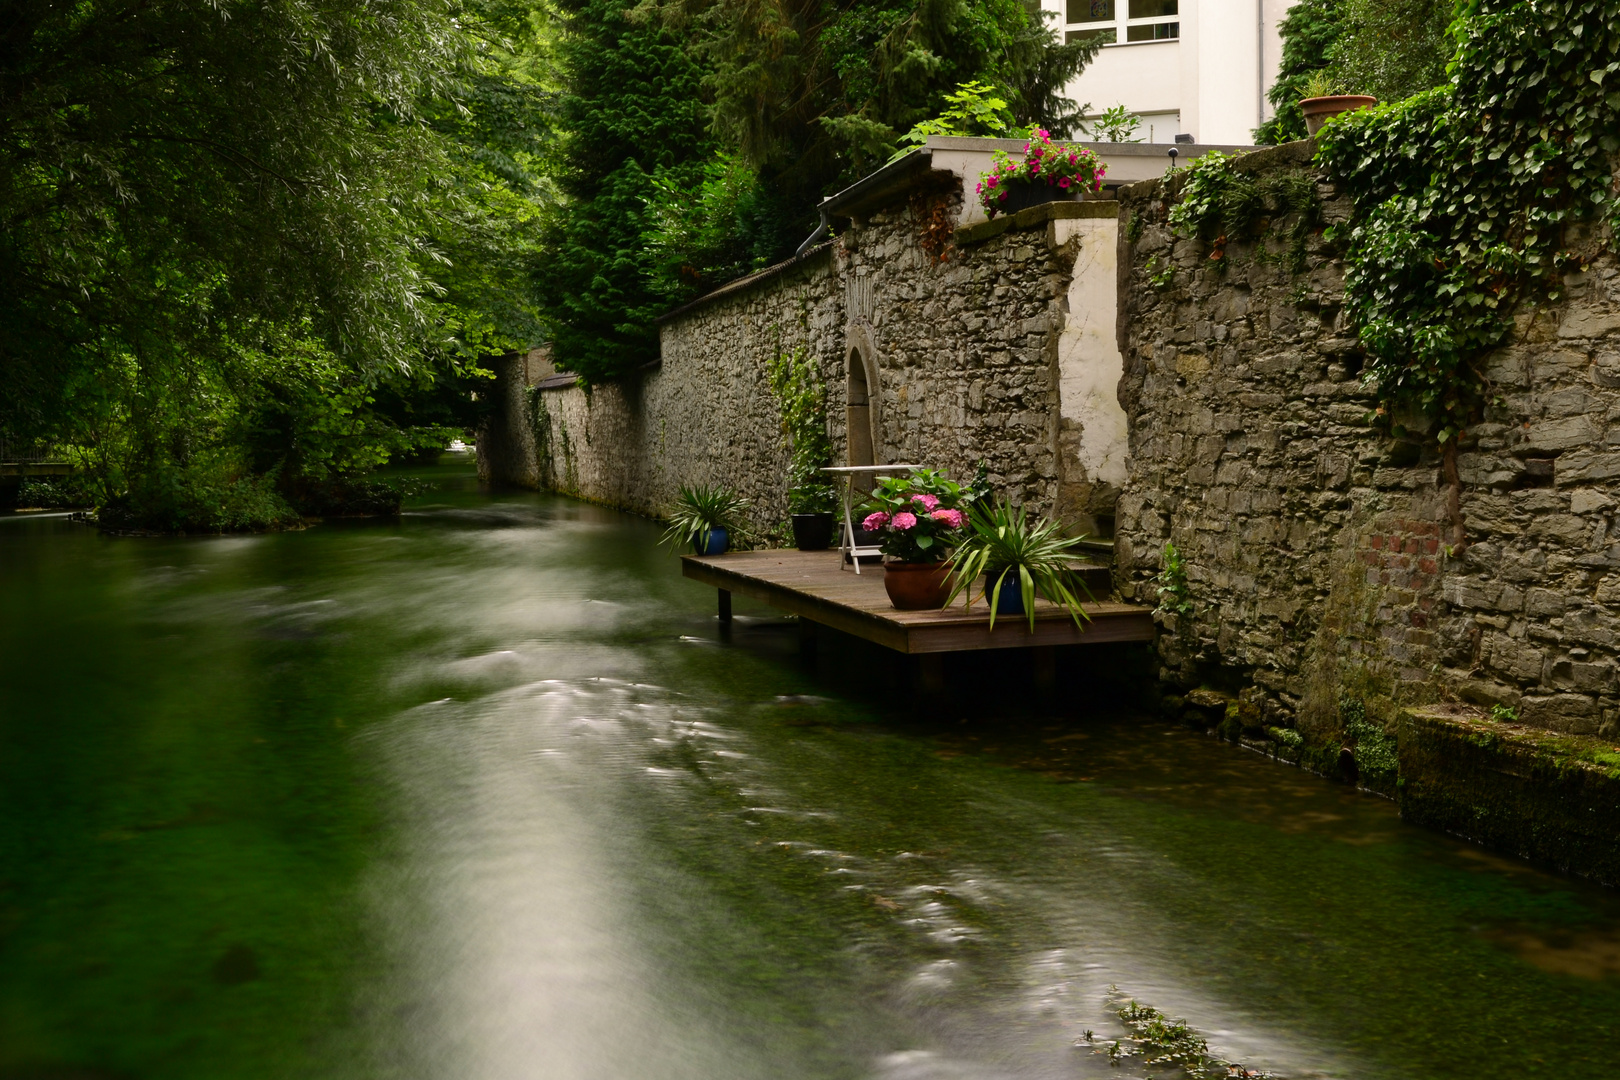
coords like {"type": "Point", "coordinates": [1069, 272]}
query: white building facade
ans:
{"type": "Point", "coordinates": [1186, 67]}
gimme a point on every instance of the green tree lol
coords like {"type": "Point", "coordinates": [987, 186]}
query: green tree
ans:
{"type": "Point", "coordinates": [227, 225]}
{"type": "Point", "coordinates": [632, 113]}
{"type": "Point", "coordinates": [1393, 51]}
{"type": "Point", "coordinates": [1309, 32]}
{"type": "Point", "coordinates": [1390, 51]}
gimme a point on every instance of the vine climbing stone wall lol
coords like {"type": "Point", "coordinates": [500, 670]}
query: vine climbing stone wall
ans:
{"type": "Point", "coordinates": [1326, 561]}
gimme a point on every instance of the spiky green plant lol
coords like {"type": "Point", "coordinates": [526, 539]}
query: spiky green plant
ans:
{"type": "Point", "coordinates": [1012, 551]}
{"type": "Point", "coordinates": [701, 508]}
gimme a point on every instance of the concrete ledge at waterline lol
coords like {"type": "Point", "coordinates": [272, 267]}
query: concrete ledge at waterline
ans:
{"type": "Point", "coordinates": [1536, 794]}
{"type": "Point", "coordinates": [1034, 217]}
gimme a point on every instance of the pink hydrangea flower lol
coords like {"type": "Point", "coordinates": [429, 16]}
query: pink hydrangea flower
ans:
{"type": "Point", "coordinates": [904, 521]}
{"type": "Point", "coordinates": [928, 501]}
{"type": "Point", "coordinates": [875, 521]}
{"type": "Point", "coordinates": [953, 518]}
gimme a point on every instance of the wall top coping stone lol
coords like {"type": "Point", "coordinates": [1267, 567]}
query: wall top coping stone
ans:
{"type": "Point", "coordinates": [1034, 217]}
{"type": "Point", "coordinates": [1101, 149]}
{"type": "Point", "coordinates": [1300, 152]}
{"type": "Point", "coordinates": [758, 277]}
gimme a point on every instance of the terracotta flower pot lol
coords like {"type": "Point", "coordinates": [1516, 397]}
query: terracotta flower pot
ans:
{"type": "Point", "coordinates": [1319, 110]}
{"type": "Point", "coordinates": [917, 586]}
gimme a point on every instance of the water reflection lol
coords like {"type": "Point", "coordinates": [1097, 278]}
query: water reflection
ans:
{"type": "Point", "coordinates": [484, 794]}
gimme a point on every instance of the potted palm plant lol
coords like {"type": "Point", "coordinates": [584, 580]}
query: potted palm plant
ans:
{"type": "Point", "coordinates": [709, 517]}
{"type": "Point", "coordinates": [916, 519]}
{"type": "Point", "coordinates": [1324, 98]}
{"type": "Point", "coordinates": [1018, 558]}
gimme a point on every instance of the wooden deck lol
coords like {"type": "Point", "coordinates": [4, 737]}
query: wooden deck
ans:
{"type": "Point", "coordinates": [811, 585]}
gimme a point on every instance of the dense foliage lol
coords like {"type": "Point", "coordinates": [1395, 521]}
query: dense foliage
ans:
{"type": "Point", "coordinates": [1390, 51]}
{"type": "Point", "coordinates": [634, 118]}
{"type": "Point", "coordinates": [801, 398]}
{"type": "Point", "coordinates": [1309, 31]}
{"type": "Point", "coordinates": [229, 227]}
{"type": "Point", "coordinates": [1465, 196]}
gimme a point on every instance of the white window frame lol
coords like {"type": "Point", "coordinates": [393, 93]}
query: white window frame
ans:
{"type": "Point", "coordinates": [1122, 22]}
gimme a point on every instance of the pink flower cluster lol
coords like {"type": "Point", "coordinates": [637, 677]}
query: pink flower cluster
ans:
{"type": "Point", "coordinates": [874, 522]}
{"type": "Point", "coordinates": [954, 518]}
{"type": "Point", "coordinates": [904, 521]}
{"type": "Point", "coordinates": [1063, 167]}
{"type": "Point", "coordinates": [928, 501]}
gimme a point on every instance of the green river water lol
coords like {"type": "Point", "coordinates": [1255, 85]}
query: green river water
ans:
{"type": "Point", "coordinates": [484, 794]}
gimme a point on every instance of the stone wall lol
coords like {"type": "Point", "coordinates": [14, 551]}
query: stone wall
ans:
{"type": "Point", "coordinates": [705, 413]}
{"type": "Point", "coordinates": [1327, 562]}
{"type": "Point", "coordinates": [962, 342]}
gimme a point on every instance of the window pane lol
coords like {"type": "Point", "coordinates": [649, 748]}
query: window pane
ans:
{"type": "Point", "coordinates": [1108, 36]}
{"type": "Point", "coordinates": [1157, 32]}
{"type": "Point", "coordinates": [1084, 11]}
{"type": "Point", "coordinates": [1152, 9]}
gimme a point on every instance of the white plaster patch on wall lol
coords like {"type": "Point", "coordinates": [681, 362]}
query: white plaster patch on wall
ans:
{"type": "Point", "coordinates": [1089, 360]}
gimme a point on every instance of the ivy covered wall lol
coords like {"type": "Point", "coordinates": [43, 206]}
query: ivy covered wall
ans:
{"type": "Point", "coordinates": [1333, 557]}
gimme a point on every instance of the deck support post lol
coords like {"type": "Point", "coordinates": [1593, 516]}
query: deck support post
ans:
{"type": "Point", "coordinates": [929, 672]}
{"type": "Point", "coordinates": [807, 640]}
{"type": "Point", "coordinates": [1044, 661]}
{"type": "Point", "coordinates": [725, 605]}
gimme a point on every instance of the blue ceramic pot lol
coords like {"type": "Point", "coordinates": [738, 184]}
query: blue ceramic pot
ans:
{"type": "Point", "coordinates": [1011, 601]}
{"type": "Point", "coordinates": [718, 541]}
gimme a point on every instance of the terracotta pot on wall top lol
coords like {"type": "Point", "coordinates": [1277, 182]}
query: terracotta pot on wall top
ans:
{"type": "Point", "coordinates": [917, 586]}
{"type": "Point", "coordinates": [1319, 110]}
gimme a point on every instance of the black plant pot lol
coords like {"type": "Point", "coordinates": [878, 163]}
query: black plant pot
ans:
{"type": "Point", "coordinates": [813, 532]}
{"type": "Point", "coordinates": [1023, 196]}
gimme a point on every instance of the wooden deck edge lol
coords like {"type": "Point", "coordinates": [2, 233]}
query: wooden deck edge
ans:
{"type": "Point", "coordinates": [953, 636]}
{"type": "Point", "coordinates": [803, 605]}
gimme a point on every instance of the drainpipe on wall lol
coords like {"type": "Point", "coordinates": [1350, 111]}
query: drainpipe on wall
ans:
{"type": "Point", "coordinates": [1260, 61]}
{"type": "Point", "coordinates": [815, 237]}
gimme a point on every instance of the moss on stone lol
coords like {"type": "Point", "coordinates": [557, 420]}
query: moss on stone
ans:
{"type": "Point", "coordinates": [1536, 794]}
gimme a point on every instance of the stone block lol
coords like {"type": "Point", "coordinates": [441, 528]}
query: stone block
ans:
{"type": "Point", "coordinates": [1544, 437]}
{"type": "Point", "coordinates": [1543, 603]}
{"type": "Point", "coordinates": [1572, 714]}
{"type": "Point", "coordinates": [1589, 500]}
{"type": "Point", "coordinates": [1584, 467]}
{"type": "Point", "coordinates": [1583, 321]}
{"type": "Point", "coordinates": [1569, 674]}
{"type": "Point", "coordinates": [1516, 659]}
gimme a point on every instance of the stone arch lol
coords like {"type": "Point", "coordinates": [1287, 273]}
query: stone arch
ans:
{"type": "Point", "coordinates": [862, 398]}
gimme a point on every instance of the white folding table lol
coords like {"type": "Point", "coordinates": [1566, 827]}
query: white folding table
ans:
{"type": "Point", "coordinates": [847, 544]}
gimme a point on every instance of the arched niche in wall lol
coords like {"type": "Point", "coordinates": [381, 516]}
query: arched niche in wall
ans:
{"type": "Point", "coordinates": [861, 398]}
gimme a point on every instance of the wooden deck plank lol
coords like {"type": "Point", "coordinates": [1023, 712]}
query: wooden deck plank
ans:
{"type": "Point", "coordinates": [812, 585]}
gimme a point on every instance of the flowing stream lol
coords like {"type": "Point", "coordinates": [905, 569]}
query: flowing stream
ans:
{"type": "Point", "coordinates": [486, 794]}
